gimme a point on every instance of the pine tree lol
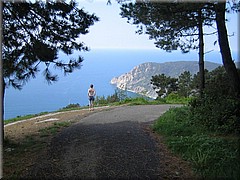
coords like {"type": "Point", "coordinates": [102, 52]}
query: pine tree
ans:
{"type": "Point", "coordinates": [35, 33]}
{"type": "Point", "coordinates": [173, 25]}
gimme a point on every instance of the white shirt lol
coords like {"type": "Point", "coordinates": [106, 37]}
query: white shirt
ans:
{"type": "Point", "coordinates": [91, 92]}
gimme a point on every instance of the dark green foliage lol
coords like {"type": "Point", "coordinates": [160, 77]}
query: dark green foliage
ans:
{"type": "Point", "coordinates": [171, 24]}
{"type": "Point", "coordinates": [217, 83]}
{"type": "Point", "coordinates": [36, 32]}
{"type": "Point", "coordinates": [72, 106]}
{"type": "Point", "coordinates": [136, 101]}
{"type": "Point", "coordinates": [206, 132]}
{"type": "Point", "coordinates": [184, 84]}
{"type": "Point", "coordinates": [116, 97]}
{"type": "Point", "coordinates": [217, 115]}
{"type": "Point", "coordinates": [218, 109]}
{"type": "Point", "coordinates": [179, 25]}
{"type": "Point", "coordinates": [164, 85]}
{"type": "Point", "coordinates": [196, 80]}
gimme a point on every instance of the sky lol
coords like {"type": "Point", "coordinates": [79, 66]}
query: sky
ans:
{"type": "Point", "coordinates": [113, 32]}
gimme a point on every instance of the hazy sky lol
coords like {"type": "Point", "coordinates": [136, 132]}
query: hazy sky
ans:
{"type": "Point", "coordinates": [112, 31]}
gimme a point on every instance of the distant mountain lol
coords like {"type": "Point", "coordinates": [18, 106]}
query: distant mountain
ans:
{"type": "Point", "coordinates": [138, 79]}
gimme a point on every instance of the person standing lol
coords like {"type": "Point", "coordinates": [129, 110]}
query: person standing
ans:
{"type": "Point", "coordinates": [91, 96]}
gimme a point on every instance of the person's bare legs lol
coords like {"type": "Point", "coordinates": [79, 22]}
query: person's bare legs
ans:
{"type": "Point", "coordinates": [91, 106]}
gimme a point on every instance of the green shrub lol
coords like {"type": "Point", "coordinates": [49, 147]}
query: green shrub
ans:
{"type": "Point", "coordinates": [136, 101]}
{"type": "Point", "coordinates": [175, 98]}
{"type": "Point", "coordinates": [116, 97]}
{"type": "Point", "coordinates": [218, 107]}
{"type": "Point", "coordinates": [161, 100]}
{"type": "Point", "coordinates": [100, 100]}
{"type": "Point", "coordinates": [72, 106]}
{"type": "Point", "coordinates": [176, 122]}
{"type": "Point", "coordinates": [217, 114]}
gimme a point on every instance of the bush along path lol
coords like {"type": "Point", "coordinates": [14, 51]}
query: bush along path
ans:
{"type": "Point", "coordinates": [113, 144]}
{"type": "Point", "coordinates": [213, 154]}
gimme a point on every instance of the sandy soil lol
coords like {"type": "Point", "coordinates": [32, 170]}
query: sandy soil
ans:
{"type": "Point", "coordinates": [19, 130]}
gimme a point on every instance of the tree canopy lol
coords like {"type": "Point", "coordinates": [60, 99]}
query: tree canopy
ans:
{"type": "Point", "coordinates": [164, 85]}
{"type": "Point", "coordinates": [36, 32]}
{"type": "Point", "coordinates": [173, 25]}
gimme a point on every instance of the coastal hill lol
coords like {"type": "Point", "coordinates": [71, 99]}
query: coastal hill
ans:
{"type": "Point", "coordinates": [138, 79]}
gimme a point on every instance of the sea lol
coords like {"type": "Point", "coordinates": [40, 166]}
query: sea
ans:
{"type": "Point", "coordinates": [98, 68]}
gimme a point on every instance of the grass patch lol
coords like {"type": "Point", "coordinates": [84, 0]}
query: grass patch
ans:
{"type": "Point", "coordinates": [52, 130]}
{"type": "Point", "coordinates": [17, 156]}
{"type": "Point", "coordinates": [19, 118]}
{"type": "Point", "coordinates": [212, 156]}
{"type": "Point", "coordinates": [174, 98]}
{"type": "Point", "coordinates": [135, 101]}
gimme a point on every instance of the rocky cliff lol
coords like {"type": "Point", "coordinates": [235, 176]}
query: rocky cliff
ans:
{"type": "Point", "coordinates": [138, 79]}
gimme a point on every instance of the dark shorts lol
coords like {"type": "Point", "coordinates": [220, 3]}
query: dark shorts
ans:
{"type": "Point", "coordinates": [91, 98]}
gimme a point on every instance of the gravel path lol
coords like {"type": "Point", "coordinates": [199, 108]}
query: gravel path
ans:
{"type": "Point", "coordinates": [110, 144]}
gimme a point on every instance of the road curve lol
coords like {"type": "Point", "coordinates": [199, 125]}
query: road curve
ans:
{"type": "Point", "coordinates": [111, 144]}
{"type": "Point", "coordinates": [141, 113]}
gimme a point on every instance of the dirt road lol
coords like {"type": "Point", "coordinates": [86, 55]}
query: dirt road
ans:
{"type": "Point", "coordinates": [112, 144]}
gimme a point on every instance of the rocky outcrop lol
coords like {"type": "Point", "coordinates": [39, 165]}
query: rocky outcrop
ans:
{"type": "Point", "coordinates": [138, 79]}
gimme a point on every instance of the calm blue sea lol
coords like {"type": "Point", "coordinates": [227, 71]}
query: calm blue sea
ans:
{"type": "Point", "coordinates": [98, 68]}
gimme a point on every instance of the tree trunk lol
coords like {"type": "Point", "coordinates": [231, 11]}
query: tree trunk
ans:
{"type": "Point", "coordinates": [2, 101]}
{"type": "Point", "coordinates": [201, 52]}
{"type": "Point", "coordinates": [2, 107]}
{"type": "Point", "coordinates": [1, 118]}
{"type": "Point", "coordinates": [225, 49]}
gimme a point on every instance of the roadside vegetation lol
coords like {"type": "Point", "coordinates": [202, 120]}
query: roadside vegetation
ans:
{"type": "Point", "coordinates": [204, 131]}
{"type": "Point", "coordinates": [213, 154]}
{"type": "Point", "coordinates": [20, 118]}
{"type": "Point", "coordinates": [19, 156]}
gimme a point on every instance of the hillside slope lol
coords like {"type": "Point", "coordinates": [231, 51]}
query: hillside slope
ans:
{"type": "Point", "coordinates": [138, 79]}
